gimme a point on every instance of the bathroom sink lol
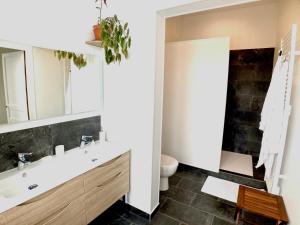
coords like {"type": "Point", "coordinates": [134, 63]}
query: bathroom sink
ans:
{"type": "Point", "coordinates": [18, 185]}
{"type": "Point", "coordinates": [27, 180]}
{"type": "Point", "coordinates": [48, 170]}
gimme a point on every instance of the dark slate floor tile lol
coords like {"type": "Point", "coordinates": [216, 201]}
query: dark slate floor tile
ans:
{"type": "Point", "coordinates": [174, 180]}
{"type": "Point", "coordinates": [256, 219]}
{"type": "Point", "coordinates": [214, 206]}
{"type": "Point", "coordinates": [218, 221]}
{"type": "Point", "coordinates": [196, 217]}
{"type": "Point", "coordinates": [190, 172]}
{"type": "Point", "coordinates": [173, 209]}
{"type": "Point", "coordinates": [180, 195]}
{"type": "Point", "coordinates": [162, 200]}
{"type": "Point", "coordinates": [112, 221]}
{"type": "Point", "coordinates": [134, 218]}
{"type": "Point", "coordinates": [110, 217]}
{"type": "Point", "coordinates": [192, 185]}
{"type": "Point", "coordinates": [185, 213]}
{"type": "Point", "coordinates": [161, 219]}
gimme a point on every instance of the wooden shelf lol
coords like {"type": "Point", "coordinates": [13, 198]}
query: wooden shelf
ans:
{"type": "Point", "coordinates": [94, 43]}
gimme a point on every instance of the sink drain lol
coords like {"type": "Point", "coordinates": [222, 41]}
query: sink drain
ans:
{"type": "Point", "coordinates": [33, 186]}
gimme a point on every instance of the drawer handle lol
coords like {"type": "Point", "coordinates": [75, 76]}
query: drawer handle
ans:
{"type": "Point", "coordinates": [59, 213]}
{"type": "Point", "coordinates": [42, 196]}
{"type": "Point", "coordinates": [110, 162]}
{"type": "Point", "coordinates": [110, 180]}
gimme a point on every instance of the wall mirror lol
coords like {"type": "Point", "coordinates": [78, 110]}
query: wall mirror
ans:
{"type": "Point", "coordinates": [35, 85]}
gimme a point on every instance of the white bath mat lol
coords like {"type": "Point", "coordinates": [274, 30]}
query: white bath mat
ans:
{"type": "Point", "coordinates": [221, 188]}
{"type": "Point", "coordinates": [237, 163]}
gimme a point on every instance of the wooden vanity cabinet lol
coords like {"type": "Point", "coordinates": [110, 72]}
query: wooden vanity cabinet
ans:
{"type": "Point", "coordinates": [78, 201]}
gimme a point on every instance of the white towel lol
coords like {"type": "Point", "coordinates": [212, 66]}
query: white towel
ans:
{"type": "Point", "coordinates": [272, 117]}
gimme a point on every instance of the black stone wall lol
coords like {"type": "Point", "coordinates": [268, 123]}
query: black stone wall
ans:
{"type": "Point", "coordinates": [41, 141]}
{"type": "Point", "coordinates": [250, 73]}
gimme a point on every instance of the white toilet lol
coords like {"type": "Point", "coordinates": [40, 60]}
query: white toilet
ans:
{"type": "Point", "coordinates": [168, 167]}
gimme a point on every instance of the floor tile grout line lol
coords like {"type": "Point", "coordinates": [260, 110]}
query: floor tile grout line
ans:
{"type": "Point", "coordinates": [193, 199]}
{"type": "Point", "coordinates": [189, 178]}
{"type": "Point", "coordinates": [177, 220]}
{"type": "Point", "coordinates": [212, 221]}
{"type": "Point", "coordinates": [201, 210]}
{"type": "Point", "coordinates": [131, 222]}
{"type": "Point", "coordinates": [186, 190]}
{"type": "Point", "coordinates": [199, 194]}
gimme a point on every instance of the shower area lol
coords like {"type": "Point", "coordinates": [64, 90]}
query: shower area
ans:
{"type": "Point", "coordinates": [250, 72]}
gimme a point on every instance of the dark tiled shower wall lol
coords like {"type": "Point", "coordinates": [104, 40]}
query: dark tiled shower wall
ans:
{"type": "Point", "coordinates": [250, 73]}
{"type": "Point", "coordinates": [41, 141]}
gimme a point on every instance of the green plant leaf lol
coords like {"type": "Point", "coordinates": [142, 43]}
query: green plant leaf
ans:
{"type": "Point", "coordinates": [116, 39]}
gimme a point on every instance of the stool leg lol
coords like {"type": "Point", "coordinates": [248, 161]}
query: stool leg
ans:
{"type": "Point", "coordinates": [235, 213]}
{"type": "Point", "coordinates": [238, 213]}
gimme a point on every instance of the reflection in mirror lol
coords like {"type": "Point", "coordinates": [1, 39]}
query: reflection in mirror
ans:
{"type": "Point", "coordinates": [13, 100]}
{"type": "Point", "coordinates": [58, 86]}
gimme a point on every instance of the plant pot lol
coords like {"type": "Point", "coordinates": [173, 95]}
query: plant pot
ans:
{"type": "Point", "coordinates": [97, 32]}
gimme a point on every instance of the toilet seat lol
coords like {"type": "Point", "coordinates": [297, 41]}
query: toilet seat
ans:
{"type": "Point", "coordinates": [168, 161]}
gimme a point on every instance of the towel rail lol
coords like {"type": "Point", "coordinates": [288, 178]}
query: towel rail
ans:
{"type": "Point", "coordinates": [288, 49]}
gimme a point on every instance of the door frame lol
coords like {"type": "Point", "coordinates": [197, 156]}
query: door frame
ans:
{"type": "Point", "coordinates": [162, 15]}
{"type": "Point", "coordinates": [29, 75]}
{"type": "Point", "coordinates": [5, 83]}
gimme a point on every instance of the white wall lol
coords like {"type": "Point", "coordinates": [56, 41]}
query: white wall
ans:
{"type": "Point", "coordinates": [248, 26]}
{"type": "Point", "coordinates": [289, 14]}
{"type": "Point", "coordinates": [129, 88]}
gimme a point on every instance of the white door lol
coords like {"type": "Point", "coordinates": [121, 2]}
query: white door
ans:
{"type": "Point", "coordinates": [15, 86]}
{"type": "Point", "coordinates": [196, 74]}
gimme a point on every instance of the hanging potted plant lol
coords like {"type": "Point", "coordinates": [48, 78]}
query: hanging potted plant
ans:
{"type": "Point", "coordinates": [114, 36]}
{"type": "Point", "coordinates": [97, 27]}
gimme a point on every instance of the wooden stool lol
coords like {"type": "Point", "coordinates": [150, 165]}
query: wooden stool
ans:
{"type": "Point", "coordinates": [260, 203]}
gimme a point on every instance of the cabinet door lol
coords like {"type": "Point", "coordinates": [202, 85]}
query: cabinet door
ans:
{"type": "Point", "coordinates": [104, 172]}
{"type": "Point", "coordinates": [106, 194]}
{"type": "Point", "coordinates": [106, 189]}
{"type": "Point", "coordinates": [36, 210]}
{"type": "Point", "coordinates": [71, 214]}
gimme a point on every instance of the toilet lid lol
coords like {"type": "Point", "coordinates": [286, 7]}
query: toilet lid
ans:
{"type": "Point", "coordinates": [168, 160]}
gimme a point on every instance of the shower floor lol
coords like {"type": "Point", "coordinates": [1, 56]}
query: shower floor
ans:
{"type": "Point", "coordinates": [237, 163]}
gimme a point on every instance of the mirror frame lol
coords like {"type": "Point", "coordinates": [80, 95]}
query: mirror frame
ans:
{"type": "Point", "coordinates": [5, 128]}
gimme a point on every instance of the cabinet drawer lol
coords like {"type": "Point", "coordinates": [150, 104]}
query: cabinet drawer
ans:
{"type": "Point", "coordinates": [36, 210]}
{"type": "Point", "coordinates": [104, 172]}
{"type": "Point", "coordinates": [71, 214]}
{"type": "Point", "coordinates": [105, 194]}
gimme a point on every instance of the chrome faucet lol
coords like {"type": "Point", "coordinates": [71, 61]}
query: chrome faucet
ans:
{"type": "Point", "coordinates": [86, 140]}
{"type": "Point", "coordinates": [22, 160]}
